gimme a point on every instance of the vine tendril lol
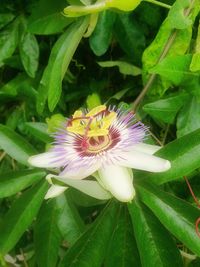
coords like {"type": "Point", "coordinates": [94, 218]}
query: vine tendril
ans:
{"type": "Point", "coordinates": [197, 223]}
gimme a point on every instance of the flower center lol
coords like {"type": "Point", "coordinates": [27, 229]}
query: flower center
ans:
{"type": "Point", "coordinates": [97, 144]}
{"type": "Point", "coordinates": [94, 145]}
{"type": "Point", "coordinates": [94, 131]}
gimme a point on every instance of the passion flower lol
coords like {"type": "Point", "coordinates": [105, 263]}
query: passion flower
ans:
{"type": "Point", "coordinates": [105, 143]}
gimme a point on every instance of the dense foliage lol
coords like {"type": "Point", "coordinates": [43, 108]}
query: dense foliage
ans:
{"type": "Point", "coordinates": [146, 60]}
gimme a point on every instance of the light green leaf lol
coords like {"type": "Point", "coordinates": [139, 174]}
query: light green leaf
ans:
{"type": "Point", "coordinates": [175, 214]}
{"type": "Point", "coordinates": [55, 122]}
{"type": "Point", "coordinates": [13, 182]}
{"type": "Point", "coordinates": [178, 41]}
{"type": "Point", "coordinates": [156, 246]}
{"type": "Point", "coordinates": [15, 145]}
{"type": "Point", "coordinates": [47, 236]}
{"type": "Point", "coordinates": [29, 53]}
{"type": "Point", "coordinates": [93, 101]}
{"type": "Point", "coordinates": [165, 110]}
{"type": "Point", "coordinates": [184, 155]}
{"type": "Point", "coordinates": [174, 69]}
{"type": "Point", "coordinates": [176, 18]}
{"type": "Point", "coordinates": [83, 253]}
{"type": "Point", "coordinates": [124, 67]}
{"type": "Point", "coordinates": [188, 119]}
{"type": "Point", "coordinates": [122, 250]}
{"type": "Point", "coordinates": [20, 216]}
{"type": "Point", "coordinates": [101, 37]}
{"type": "Point", "coordinates": [69, 221]}
{"type": "Point", "coordinates": [195, 64]}
{"type": "Point", "coordinates": [39, 130]}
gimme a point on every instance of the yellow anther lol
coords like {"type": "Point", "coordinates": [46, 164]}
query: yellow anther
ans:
{"type": "Point", "coordinates": [77, 114]}
{"type": "Point", "coordinates": [90, 124]}
{"type": "Point", "coordinates": [108, 120]}
{"type": "Point", "coordinates": [96, 110]}
{"type": "Point", "coordinates": [77, 130]}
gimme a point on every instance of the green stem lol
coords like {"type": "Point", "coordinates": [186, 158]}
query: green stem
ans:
{"type": "Point", "coordinates": [158, 3]}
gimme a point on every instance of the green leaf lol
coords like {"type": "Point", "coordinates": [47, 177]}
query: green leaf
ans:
{"type": "Point", "coordinates": [13, 182]}
{"type": "Point", "coordinates": [129, 35]}
{"type": "Point", "coordinates": [165, 110]}
{"type": "Point", "coordinates": [83, 200]}
{"type": "Point", "coordinates": [14, 118]}
{"type": "Point", "coordinates": [69, 221]}
{"type": "Point", "coordinates": [156, 246]}
{"type": "Point", "coordinates": [124, 67]}
{"type": "Point", "coordinates": [195, 263]}
{"type": "Point", "coordinates": [39, 130]}
{"type": "Point", "coordinates": [54, 122]}
{"type": "Point", "coordinates": [119, 94]}
{"type": "Point", "coordinates": [29, 53]}
{"type": "Point", "coordinates": [42, 91]}
{"type": "Point", "coordinates": [46, 17]}
{"type": "Point", "coordinates": [184, 155]}
{"type": "Point", "coordinates": [15, 145]}
{"type": "Point", "coordinates": [8, 41]}
{"type": "Point", "coordinates": [46, 248]}
{"type": "Point", "coordinates": [174, 69]}
{"type": "Point", "coordinates": [101, 37]}
{"type": "Point", "coordinates": [20, 216]}
{"type": "Point", "coordinates": [49, 24]}
{"type": "Point", "coordinates": [5, 18]}
{"type": "Point", "coordinates": [20, 86]}
{"type": "Point", "coordinates": [84, 252]}
{"type": "Point", "coordinates": [175, 214]}
{"type": "Point", "coordinates": [61, 55]}
{"type": "Point", "coordinates": [178, 41]}
{"type": "Point", "coordinates": [93, 101]}
{"type": "Point", "coordinates": [188, 119]}
{"type": "Point", "coordinates": [122, 250]}
{"type": "Point", "coordinates": [60, 58]}
{"type": "Point", "coordinates": [176, 18]}
{"type": "Point", "coordinates": [195, 64]}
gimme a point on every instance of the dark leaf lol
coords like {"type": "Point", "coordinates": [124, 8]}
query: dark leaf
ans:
{"type": "Point", "coordinates": [13, 182]}
{"type": "Point", "coordinates": [20, 216]}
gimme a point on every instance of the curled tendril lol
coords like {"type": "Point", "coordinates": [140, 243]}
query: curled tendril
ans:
{"type": "Point", "coordinates": [197, 226]}
{"type": "Point", "coordinates": [197, 223]}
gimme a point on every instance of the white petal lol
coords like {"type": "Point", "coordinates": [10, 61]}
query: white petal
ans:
{"type": "Point", "coordinates": [146, 148]}
{"type": "Point", "coordinates": [91, 188]}
{"type": "Point", "coordinates": [45, 160]}
{"type": "Point", "coordinates": [54, 191]}
{"type": "Point", "coordinates": [118, 181]}
{"type": "Point", "coordinates": [143, 161]}
{"type": "Point", "coordinates": [79, 172]}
